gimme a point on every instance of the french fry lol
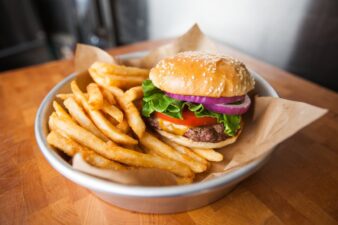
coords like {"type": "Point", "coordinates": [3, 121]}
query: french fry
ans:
{"type": "Point", "coordinates": [118, 81]}
{"type": "Point", "coordinates": [134, 118]}
{"type": "Point", "coordinates": [208, 154]}
{"type": "Point", "coordinates": [66, 145]}
{"type": "Point", "coordinates": [68, 95]}
{"type": "Point", "coordinates": [60, 111]}
{"type": "Point", "coordinates": [123, 126]}
{"type": "Point", "coordinates": [96, 160]}
{"type": "Point", "coordinates": [110, 130]}
{"type": "Point", "coordinates": [133, 115]}
{"type": "Point", "coordinates": [81, 118]}
{"type": "Point", "coordinates": [186, 151]}
{"type": "Point", "coordinates": [70, 147]}
{"type": "Point", "coordinates": [117, 92]}
{"type": "Point", "coordinates": [116, 153]}
{"type": "Point", "coordinates": [103, 67]}
{"type": "Point", "coordinates": [184, 180]}
{"type": "Point", "coordinates": [124, 82]}
{"type": "Point", "coordinates": [113, 111]}
{"type": "Point", "coordinates": [154, 145]}
{"type": "Point", "coordinates": [108, 96]}
{"type": "Point", "coordinates": [133, 93]}
{"type": "Point", "coordinates": [51, 125]}
{"type": "Point", "coordinates": [95, 97]}
{"type": "Point", "coordinates": [64, 96]}
{"type": "Point", "coordinates": [100, 121]}
{"type": "Point", "coordinates": [110, 143]}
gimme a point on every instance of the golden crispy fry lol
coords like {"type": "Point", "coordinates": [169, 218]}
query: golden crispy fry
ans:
{"type": "Point", "coordinates": [108, 96]}
{"type": "Point", "coordinates": [95, 97]}
{"type": "Point", "coordinates": [70, 147]}
{"type": "Point", "coordinates": [186, 151]}
{"type": "Point", "coordinates": [110, 130]}
{"type": "Point", "coordinates": [60, 111]}
{"type": "Point", "coordinates": [81, 118]}
{"type": "Point", "coordinates": [154, 145]}
{"type": "Point", "coordinates": [100, 121]}
{"type": "Point", "coordinates": [64, 96]}
{"type": "Point", "coordinates": [134, 118]}
{"type": "Point", "coordinates": [103, 67]}
{"type": "Point", "coordinates": [184, 180]}
{"type": "Point", "coordinates": [68, 95]}
{"type": "Point", "coordinates": [96, 160]}
{"type": "Point", "coordinates": [51, 125]}
{"type": "Point", "coordinates": [116, 80]}
{"type": "Point", "coordinates": [117, 92]}
{"type": "Point", "coordinates": [110, 143]}
{"type": "Point", "coordinates": [123, 126]}
{"type": "Point", "coordinates": [133, 115]}
{"type": "Point", "coordinates": [208, 154]}
{"type": "Point", "coordinates": [124, 82]}
{"type": "Point", "coordinates": [133, 93]}
{"type": "Point", "coordinates": [113, 111]}
{"type": "Point", "coordinates": [126, 156]}
{"type": "Point", "coordinates": [64, 144]}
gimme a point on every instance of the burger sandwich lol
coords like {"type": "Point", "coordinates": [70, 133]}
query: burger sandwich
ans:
{"type": "Point", "coordinates": [197, 99]}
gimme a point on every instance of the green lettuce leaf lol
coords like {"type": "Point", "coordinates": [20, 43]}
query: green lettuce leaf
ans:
{"type": "Point", "coordinates": [155, 100]}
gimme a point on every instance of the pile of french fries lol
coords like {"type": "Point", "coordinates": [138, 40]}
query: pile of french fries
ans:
{"type": "Point", "coordinates": [104, 125]}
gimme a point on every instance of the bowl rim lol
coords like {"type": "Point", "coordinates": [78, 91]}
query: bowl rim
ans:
{"type": "Point", "coordinates": [102, 185]}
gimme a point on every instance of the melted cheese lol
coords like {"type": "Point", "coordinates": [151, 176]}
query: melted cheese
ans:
{"type": "Point", "coordinates": [172, 127]}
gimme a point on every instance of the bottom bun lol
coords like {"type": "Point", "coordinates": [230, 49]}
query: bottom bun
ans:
{"type": "Point", "coordinates": [193, 144]}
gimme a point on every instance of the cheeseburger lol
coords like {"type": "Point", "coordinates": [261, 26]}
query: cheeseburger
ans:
{"type": "Point", "coordinates": [197, 99]}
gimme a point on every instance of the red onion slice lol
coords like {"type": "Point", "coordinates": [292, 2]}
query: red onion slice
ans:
{"type": "Point", "coordinates": [205, 100]}
{"type": "Point", "coordinates": [230, 109]}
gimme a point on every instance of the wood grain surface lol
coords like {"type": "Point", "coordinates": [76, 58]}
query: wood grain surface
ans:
{"type": "Point", "coordinates": [299, 185]}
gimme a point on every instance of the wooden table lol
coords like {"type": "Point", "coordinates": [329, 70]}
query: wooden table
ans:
{"type": "Point", "coordinates": [299, 185]}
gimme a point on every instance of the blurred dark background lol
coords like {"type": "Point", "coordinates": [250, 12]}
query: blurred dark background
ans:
{"type": "Point", "coordinates": [298, 36]}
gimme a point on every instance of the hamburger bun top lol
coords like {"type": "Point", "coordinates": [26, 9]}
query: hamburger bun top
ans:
{"type": "Point", "coordinates": [202, 74]}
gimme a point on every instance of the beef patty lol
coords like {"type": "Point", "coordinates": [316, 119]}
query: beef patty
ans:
{"type": "Point", "coordinates": [211, 133]}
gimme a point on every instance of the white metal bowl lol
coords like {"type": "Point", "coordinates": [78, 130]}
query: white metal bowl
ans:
{"type": "Point", "coordinates": [169, 199]}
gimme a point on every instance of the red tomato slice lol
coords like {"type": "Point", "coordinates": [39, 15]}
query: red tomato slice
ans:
{"type": "Point", "coordinates": [189, 119]}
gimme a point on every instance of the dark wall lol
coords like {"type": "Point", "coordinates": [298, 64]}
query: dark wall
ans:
{"type": "Point", "coordinates": [131, 20]}
{"type": "Point", "coordinates": [21, 35]}
{"type": "Point", "coordinates": [315, 54]}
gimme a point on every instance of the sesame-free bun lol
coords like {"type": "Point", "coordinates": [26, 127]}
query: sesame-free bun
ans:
{"type": "Point", "coordinates": [202, 74]}
{"type": "Point", "coordinates": [193, 144]}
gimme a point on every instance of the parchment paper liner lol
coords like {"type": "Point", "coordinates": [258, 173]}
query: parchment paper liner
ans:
{"type": "Point", "coordinates": [273, 119]}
